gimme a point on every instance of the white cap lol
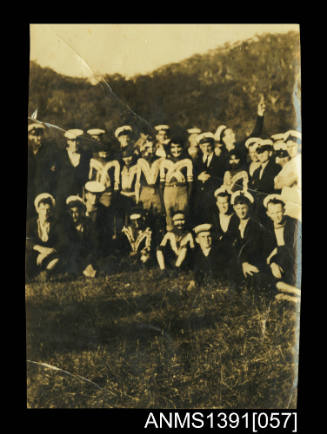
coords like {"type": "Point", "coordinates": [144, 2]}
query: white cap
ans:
{"type": "Point", "coordinates": [241, 193]}
{"type": "Point", "coordinates": [35, 126]}
{"type": "Point", "coordinates": [201, 138]}
{"type": "Point", "coordinates": [206, 227]}
{"type": "Point", "coordinates": [43, 196]}
{"type": "Point", "coordinates": [278, 136]}
{"type": "Point", "coordinates": [73, 134]}
{"type": "Point", "coordinates": [279, 144]}
{"type": "Point", "coordinates": [135, 216]}
{"type": "Point", "coordinates": [194, 130]}
{"type": "Point", "coordinates": [74, 198]}
{"type": "Point", "coordinates": [252, 141]}
{"type": "Point", "coordinates": [221, 189]}
{"type": "Point", "coordinates": [122, 129]}
{"type": "Point", "coordinates": [293, 133]}
{"type": "Point", "coordinates": [270, 197]}
{"type": "Point", "coordinates": [219, 131]}
{"type": "Point", "coordinates": [96, 132]}
{"type": "Point", "coordinates": [94, 187]}
{"type": "Point", "coordinates": [161, 127]}
{"type": "Point", "coordinates": [178, 216]}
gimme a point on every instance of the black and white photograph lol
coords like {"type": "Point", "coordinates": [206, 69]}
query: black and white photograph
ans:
{"type": "Point", "coordinates": [163, 216]}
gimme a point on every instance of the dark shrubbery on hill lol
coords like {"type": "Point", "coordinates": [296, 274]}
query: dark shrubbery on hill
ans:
{"type": "Point", "coordinates": [222, 86]}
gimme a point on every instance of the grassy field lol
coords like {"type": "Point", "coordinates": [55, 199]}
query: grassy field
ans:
{"type": "Point", "coordinates": [140, 340]}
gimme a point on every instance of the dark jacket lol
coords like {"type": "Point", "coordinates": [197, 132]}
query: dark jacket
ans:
{"type": "Point", "coordinates": [205, 268]}
{"type": "Point", "coordinates": [265, 185]}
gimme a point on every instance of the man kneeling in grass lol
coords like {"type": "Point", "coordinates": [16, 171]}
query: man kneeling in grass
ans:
{"type": "Point", "coordinates": [174, 249]}
{"type": "Point", "coordinates": [42, 239]}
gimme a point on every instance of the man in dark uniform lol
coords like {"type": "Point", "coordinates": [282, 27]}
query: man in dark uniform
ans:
{"type": "Point", "coordinates": [262, 182]}
{"type": "Point", "coordinates": [41, 166]}
{"type": "Point", "coordinates": [102, 222]}
{"type": "Point", "coordinates": [248, 243]}
{"type": "Point", "coordinates": [80, 254]}
{"type": "Point", "coordinates": [73, 168]}
{"type": "Point", "coordinates": [283, 242]}
{"type": "Point", "coordinates": [205, 257]}
{"type": "Point", "coordinates": [208, 176]}
{"type": "Point", "coordinates": [43, 239]}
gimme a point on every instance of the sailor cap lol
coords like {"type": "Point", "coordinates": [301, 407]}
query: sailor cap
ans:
{"type": "Point", "coordinates": [43, 196]}
{"type": "Point", "coordinates": [74, 199]}
{"type": "Point", "coordinates": [194, 130]}
{"type": "Point", "coordinates": [161, 127]}
{"type": "Point", "coordinates": [252, 141]}
{"type": "Point", "coordinates": [270, 197]}
{"type": "Point", "coordinates": [205, 227]}
{"type": "Point", "coordinates": [73, 134]}
{"type": "Point", "coordinates": [205, 137]}
{"type": "Point", "coordinates": [221, 189]}
{"type": "Point", "coordinates": [241, 193]}
{"type": "Point", "coordinates": [123, 129]}
{"type": "Point", "coordinates": [35, 126]}
{"type": "Point", "coordinates": [96, 132]}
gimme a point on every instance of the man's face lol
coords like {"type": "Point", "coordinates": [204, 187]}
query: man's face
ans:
{"type": "Point", "coordinates": [218, 149]}
{"type": "Point", "coordinates": [204, 239]}
{"type": "Point", "coordinates": [73, 145]}
{"type": "Point", "coordinates": [234, 161]}
{"type": "Point", "coordinates": [242, 211]}
{"type": "Point", "coordinates": [44, 211]}
{"type": "Point", "coordinates": [128, 160]}
{"type": "Point", "coordinates": [253, 155]}
{"type": "Point", "coordinates": [282, 160]}
{"type": "Point", "coordinates": [124, 140]}
{"type": "Point", "coordinates": [291, 148]}
{"type": "Point", "coordinates": [91, 200]}
{"type": "Point", "coordinates": [223, 204]}
{"type": "Point", "coordinates": [136, 223]}
{"type": "Point", "coordinates": [192, 140]}
{"type": "Point", "coordinates": [148, 149]}
{"type": "Point", "coordinates": [104, 154]}
{"type": "Point", "coordinates": [264, 156]}
{"type": "Point", "coordinates": [206, 148]}
{"type": "Point", "coordinates": [76, 213]}
{"type": "Point", "coordinates": [176, 150]}
{"type": "Point", "coordinates": [179, 223]}
{"type": "Point", "coordinates": [276, 212]}
{"type": "Point", "coordinates": [35, 140]}
{"type": "Point", "coordinates": [229, 136]}
{"type": "Point", "coordinates": [161, 136]}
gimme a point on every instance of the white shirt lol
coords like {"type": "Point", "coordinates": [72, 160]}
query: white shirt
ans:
{"type": "Point", "coordinates": [224, 221]}
{"type": "Point", "coordinates": [279, 232]}
{"type": "Point", "coordinates": [207, 161]}
{"type": "Point", "coordinates": [74, 158]}
{"type": "Point", "coordinates": [43, 230]}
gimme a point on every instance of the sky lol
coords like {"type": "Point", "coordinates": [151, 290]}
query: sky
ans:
{"type": "Point", "coordinates": [90, 50]}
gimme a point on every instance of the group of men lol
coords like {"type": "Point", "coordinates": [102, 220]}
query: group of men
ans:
{"type": "Point", "coordinates": [219, 207]}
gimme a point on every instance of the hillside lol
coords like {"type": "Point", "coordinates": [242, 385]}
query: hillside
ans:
{"type": "Point", "coordinates": [221, 86]}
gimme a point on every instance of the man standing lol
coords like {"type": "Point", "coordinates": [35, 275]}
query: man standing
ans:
{"type": "Point", "coordinates": [162, 140]}
{"type": "Point", "coordinates": [41, 166]}
{"type": "Point", "coordinates": [208, 176]}
{"type": "Point", "coordinates": [124, 135]}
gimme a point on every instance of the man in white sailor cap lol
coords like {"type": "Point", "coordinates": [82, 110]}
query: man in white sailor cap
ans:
{"type": "Point", "coordinates": [252, 144]}
{"type": "Point", "coordinates": [73, 167]}
{"type": "Point", "coordinates": [99, 147]}
{"type": "Point", "coordinates": [80, 254]}
{"type": "Point", "coordinates": [162, 140]}
{"type": "Point", "coordinates": [175, 248]}
{"type": "Point", "coordinates": [124, 135]}
{"type": "Point", "coordinates": [103, 219]}
{"type": "Point", "coordinates": [193, 147]}
{"type": "Point", "coordinates": [204, 257]}
{"type": "Point", "coordinates": [283, 242]}
{"type": "Point", "coordinates": [43, 239]}
{"type": "Point", "coordinates": [41, 165]}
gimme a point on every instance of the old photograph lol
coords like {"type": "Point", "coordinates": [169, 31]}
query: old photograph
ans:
{"type": "Point", "coordinates": [163, 218]}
